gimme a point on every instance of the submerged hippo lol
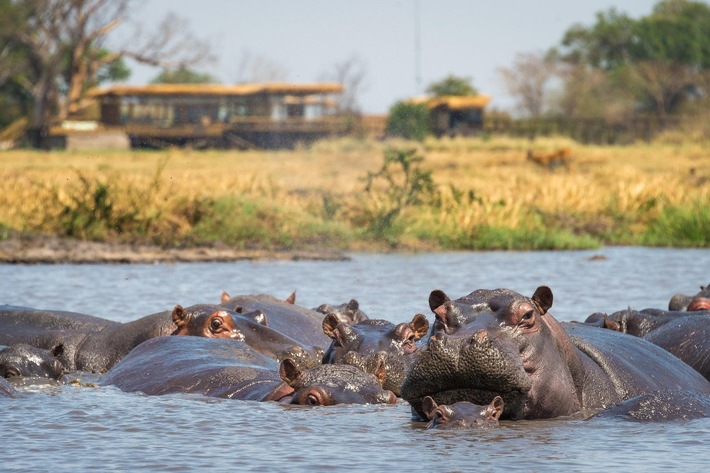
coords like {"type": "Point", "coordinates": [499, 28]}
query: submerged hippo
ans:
{"type": "Point", "coordinates": [516, 349]}
{"type": "Point", "coordinates": [374, 341]}
{"type": "Point", "coordinates": [659, 406]}
{"type": "Point", "coordinates": [7, 389]}
{"type": "Point", "coordinates": [453, 314]}
{"type": "Point", "coordinates": [285, 316]}
{"type": "Point", "coordinates": [700, 301]}
{"type": "Point", "coordinates": [25, 361]}
{"type": "Point", "coordinates": [90, 344]}
{"type": "Point", "coordinates": [349, 313]}
{"type": "Point", "coordinates": [462, 415]}
{"type": "Point", "coordinates": [233, 370]}
{"type": "Point", "coordinates": [684, 334]}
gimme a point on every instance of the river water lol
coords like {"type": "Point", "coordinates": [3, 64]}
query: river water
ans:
{"type": "Point", "coordinates": [74, 428]}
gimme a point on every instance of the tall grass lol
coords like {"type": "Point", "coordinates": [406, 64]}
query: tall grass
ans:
{"type": "Point", "coordinates": [480, 194]}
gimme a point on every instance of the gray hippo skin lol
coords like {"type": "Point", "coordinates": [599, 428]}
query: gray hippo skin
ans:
{"type": "Point", "coordinates": [97, 345]}
{"type": "Point", "coordinates": [659, 407]}
{"type": "Point", "coordinates": [453, 314]}
{"type": "Point", "coordinates": [294, 321]}
{"type": "Point", "coordinates": [462, 415]}
{"type": "Point", "coordinates": [518, 351]}
{"type": "Point", "coordinates": [684, 334]}
{"type": "Point", "coordinates": [349, 313]}
{"type": "Point", "coordinates": [7, 389]}
{"type": "Point", "coordinates": [371, 342]}
{"type": "Point", "coordinates": [231, 369]}
{"type": "Point", "coordinates": [25, 361]}
{"type": "Point", "coordinates": [700, 301]}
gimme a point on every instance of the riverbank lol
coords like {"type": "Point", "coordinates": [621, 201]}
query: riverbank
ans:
{"type": "Point", "coordinates": [352, 195]}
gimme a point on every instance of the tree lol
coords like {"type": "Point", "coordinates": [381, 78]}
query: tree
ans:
{"type": "Point", "coordinates": [452, 85]}
{"type": "Point", "coordinates": [409, 120]}
{"type": "Point", "coordinates": [253, 68]}
{"type": "Point", "coordinates": [528, 81]}
{"type": "Point", "coordinates": [182, 75]}
{"type": "Point", "coordinates": [57, 50]}
{"type": "Point", "coordinates": [351, 74]}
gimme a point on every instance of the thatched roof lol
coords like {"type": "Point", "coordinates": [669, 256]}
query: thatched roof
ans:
{"type": "Point", "coordinates": [454, 102]}
{"type": "Point", "coordinates": [218, 89]}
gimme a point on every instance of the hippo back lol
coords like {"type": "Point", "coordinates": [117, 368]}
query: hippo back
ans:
{"type": "Point", "coordinates": [633, 365]}
{"type": "Point", "coordinates": [688, 338]}
{"type": "Point", "coordinates": [212, 367]}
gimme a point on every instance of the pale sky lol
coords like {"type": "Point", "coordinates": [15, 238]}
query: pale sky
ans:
{"type": "Point", "coordinates": [307, 38]}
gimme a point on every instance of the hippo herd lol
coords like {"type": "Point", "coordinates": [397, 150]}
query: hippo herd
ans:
{"type": "Point", "coordinates": [488, 356]}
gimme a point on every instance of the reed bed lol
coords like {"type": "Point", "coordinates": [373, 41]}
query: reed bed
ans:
{"type": "Point", "coordinates": [486, 195]}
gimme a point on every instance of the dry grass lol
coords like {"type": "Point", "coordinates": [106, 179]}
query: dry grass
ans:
{"type": "Point", "coordinates": [481, 183]}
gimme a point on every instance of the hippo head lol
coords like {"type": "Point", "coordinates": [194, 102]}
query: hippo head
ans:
{"type": "Point", "coordinates": [515, 350]}
{"type": "Point", "coordinates": [462, 415]}
{"type": "Point", "coordinates": [453, 314]}
{"type": "Point", "coordinates": [326, 385]}
{"type": "Point", "coordinates": [371, 343]}
{"type": "Point", "coordinates": [348, 313]}
{"type": "Point", "coordinates": [24, 361]}
{"type": "Point", "coordinates": [700, 301]}
{"type": "Point", "coordinates": [205, 321]}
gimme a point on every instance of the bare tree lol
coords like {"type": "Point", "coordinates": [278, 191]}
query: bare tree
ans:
{"type": "Point", "coordinates": [255, 68]}
{"type": "Point", "coordinates": [528, 80]}
{"type": "Point", "coordinates": [63, 43]}
{"type": "Point", "coordinates": [664, 85]}
{"type": "Point", "coordinates": [351, 73]}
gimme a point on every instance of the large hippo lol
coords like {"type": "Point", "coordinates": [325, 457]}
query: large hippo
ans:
{"type": "Point", "coordinates": [374, 341]}
{"type": "Point", "coordinates": [659, 406]}
{"type": "Point", "coordinates": [639, 322]}
{"type": "Point", "coordinates": [700, 301]}
{"type": "Point", "coordinates": [25, 361]}
{"type": "Point", "coordinates": [462, 415]}
{"type": "Point", "coordinates": [285, 316]}
{"type": "Point", "coordinates": [348, 312]}
{"type": "Point", "coordinates": [450, 315]}
{"type": "Point", "coordinates": [233, 370]}
{"type": "Point", "coordinates": [517, 350]}
{"type": "Point", "coordinates": [95, 346]}
{"type": "Point", "coordinates": [7, 389]}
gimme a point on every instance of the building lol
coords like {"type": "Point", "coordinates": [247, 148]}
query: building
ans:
{"type": "Point", "coordinates": [269, 115]}
{"type": "Point", "coordinates": [456, 115]}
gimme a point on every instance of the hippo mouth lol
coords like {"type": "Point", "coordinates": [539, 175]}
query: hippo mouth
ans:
{"type": "Point", "coordinates": [699, 303]}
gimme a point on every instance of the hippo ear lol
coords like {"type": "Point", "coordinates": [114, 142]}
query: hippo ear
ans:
{"type": "Point", "coordinates": [180, 316]}
{"type": "Point", "coordinates": [292, 298]}
{"type": "Point", "coordinates": [330, 325]}
{"type": "Point", "coordinates": [611, 324]}
{"type": "Point", "coordinates": [58, 350]}
{"type": "Point", "coordinates": [495, 408]}
{"type": "Point", "coordinates": [225, 297]}
{"type": "Point", "coordinates": [429, 406]}
{"type": "Point", "coordinates": [437, 298]}
{"type": "Point", "coordinates": [353, 305]}
{"type": "Point", "coordinates": [289, 372]}
{"type": "Point", "coordinates": [543, 298]}
{"type": "Point", "coordinates": [420, 326]}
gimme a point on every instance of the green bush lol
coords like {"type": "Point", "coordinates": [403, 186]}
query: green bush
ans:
{"type": "Point", "coordinates": [410, 121]}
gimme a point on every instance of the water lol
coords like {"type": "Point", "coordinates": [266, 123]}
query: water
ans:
{"type": "Point", "coordinates": [74, 428]}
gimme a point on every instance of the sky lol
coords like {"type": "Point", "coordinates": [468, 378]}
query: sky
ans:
{"type": "Point", "coordinates": [403, 45]}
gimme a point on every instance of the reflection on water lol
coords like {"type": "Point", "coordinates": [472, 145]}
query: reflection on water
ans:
{"type": "Point", "coordinates": [103, 429]}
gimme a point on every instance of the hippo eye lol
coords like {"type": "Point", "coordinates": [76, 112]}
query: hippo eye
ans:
{"type": "Point", "coordinates": [216, 324]}
{"type": "Point", "coordinates": [12, 372]}
{"type": "Point", "coordinates": [527, 316]}
{"type": "Point", "coordinates": [312, 400]}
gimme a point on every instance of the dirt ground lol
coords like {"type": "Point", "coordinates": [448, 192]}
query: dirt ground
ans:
{"type": "Point", "coordinates": [40, 249]}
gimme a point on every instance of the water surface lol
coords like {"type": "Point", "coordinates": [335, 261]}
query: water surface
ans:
{"type": "Point", "coordinates": [72, 428]}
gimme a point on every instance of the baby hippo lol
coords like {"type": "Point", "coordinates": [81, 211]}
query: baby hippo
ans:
{"type": "Point", "coordinates": [462, 415]}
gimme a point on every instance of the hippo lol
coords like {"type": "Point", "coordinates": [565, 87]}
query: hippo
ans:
{"type": "Point", "coordinates": [462, 414]}
{"type": "Point", "coordinates": [7, 389]}
{"type": "Point", "coordinates": [541, 368]}
{"type": "Point", "coordinates": [348, 313]}
{"type": "Point", "coordinates": [659, 406]}
{"type": "Point", "coordinates": [374, 341]}
{"type": "Point", "coordinates": [253, 328]}
{"type": "Point", "coordinates": [92, 345]}
{"type": "Point", "coordinates": [285, 316]}
{"type": "Point", "coordinates": [452, 314]}
{"type": "Point", "coordinates": [700, 301]}
{"type": "Point", "coordinates": [25, 361]}
{"type": "Point", "coordinates": [638, 322]}
{"type": "Point", "coordinates": [233, 370]}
